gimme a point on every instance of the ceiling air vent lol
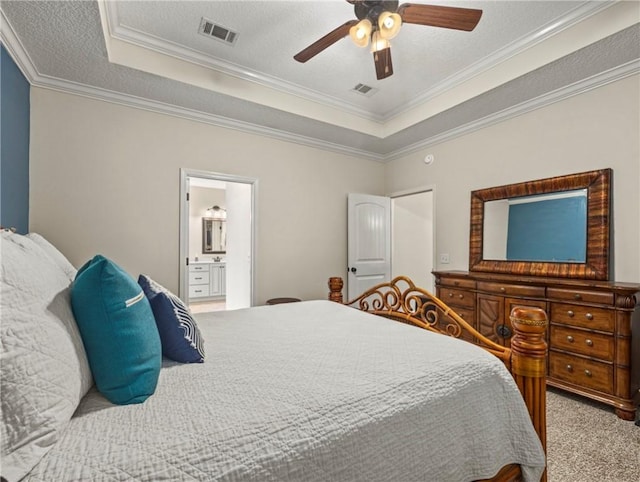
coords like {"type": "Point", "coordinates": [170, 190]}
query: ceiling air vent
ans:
{"type": "Point", "coordinates": [218, 32]}
{"type": "Point", "coordinates": [365, 90]}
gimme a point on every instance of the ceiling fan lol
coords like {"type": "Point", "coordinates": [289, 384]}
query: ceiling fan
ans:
{"type": "Point", "coordinates": [380, 20]}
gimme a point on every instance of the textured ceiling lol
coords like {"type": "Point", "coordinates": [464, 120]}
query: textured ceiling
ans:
{"type": "Point", "coordinates": [113, 50]}
{"type": "Point", "coordinates": [270, 33]}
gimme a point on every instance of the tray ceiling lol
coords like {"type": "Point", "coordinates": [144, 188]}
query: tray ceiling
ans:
{"type": "Point", "coordinates": [150, 54]}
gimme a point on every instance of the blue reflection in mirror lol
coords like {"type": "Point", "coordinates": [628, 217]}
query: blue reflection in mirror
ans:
{"type": "Point", "coordinates": [547, 227]}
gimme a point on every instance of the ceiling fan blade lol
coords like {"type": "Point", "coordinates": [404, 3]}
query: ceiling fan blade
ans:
{"type": "Point", "coordinates": [437, 16]}
{"type": "Point", "coordinates": [382, 59]}
{"type": "Point", "coordinates": [326, 41]}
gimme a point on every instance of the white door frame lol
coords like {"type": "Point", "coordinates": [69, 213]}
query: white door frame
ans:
{"type": "Point", "coordinates": [418, 190]}
{"type": "Point", "coordinates": [185, 174]}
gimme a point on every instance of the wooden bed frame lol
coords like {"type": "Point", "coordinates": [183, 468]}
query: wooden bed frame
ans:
{"type": "Point", "coordinates": [402, 301]}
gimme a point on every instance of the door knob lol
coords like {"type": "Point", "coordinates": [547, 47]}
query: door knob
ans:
{"type": "Point", "coordinates": [353, 270]}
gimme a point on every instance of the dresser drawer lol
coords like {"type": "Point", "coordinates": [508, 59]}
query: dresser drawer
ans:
{"type": "Point", "coordinates": [511, 290]}
{"type": "Point", "coordinates": [585, 373]}
{"type": "Point", "coordinates": [578, 341]}
{"type": "Point", "coordinates": [580, 296]}
{"type": "Point", "coordinates": [454, 297]}
{"type": "Point", "coordinates": [199, 278]}
{"type": "Point", "coordinates": [466, 314]}
{"type": "Point", "coordinates": [458, 283]}
{"type": "Point", "coordinates": [583, 316]}
{"type": "Point", "coordinates": [198, 291]}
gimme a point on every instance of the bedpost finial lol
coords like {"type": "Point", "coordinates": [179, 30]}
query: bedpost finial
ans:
{"type": "Point", "coordinates": [335, 289]}
{"type": "Point", "coordinates": [529, 325]}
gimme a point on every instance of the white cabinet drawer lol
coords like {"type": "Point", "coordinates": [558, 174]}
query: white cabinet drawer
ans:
{"type": "Point", "coordinates": [199, 278]}
{"type": "Point", "coordinates": [198, 291]}
{"type": "Point", "coordinates": [198, 268]}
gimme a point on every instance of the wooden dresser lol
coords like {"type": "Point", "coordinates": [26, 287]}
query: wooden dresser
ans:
{"type": "Point", "coordinates": [592, 349]}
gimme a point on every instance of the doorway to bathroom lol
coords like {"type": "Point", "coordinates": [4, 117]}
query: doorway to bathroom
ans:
{"type": "Point", "coordinates": [217, 240]}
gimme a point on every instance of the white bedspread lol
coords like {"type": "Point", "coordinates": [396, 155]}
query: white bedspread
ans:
{"type": "Point", "coordinates": [309, 391]}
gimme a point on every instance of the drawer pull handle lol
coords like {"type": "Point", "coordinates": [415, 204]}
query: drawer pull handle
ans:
{"type": "Point", "coordinates": [570, 313]}
{"type": "Point", "coordinates": [569, 368]}
{"type": "Point", "coordinates": [502, 289]}
{"type": "Point", "coordinates": [197, 278]}
{"type": "Point", "coordinates": [588, 373]}
{"type": "Point", "coordinates": [589, 342]}
{"type": "Point", "coordinates": [577, 296]}
{"type": "Point", "coordinates": [460, 296]}
{"type": "Point", "coordinates": [570, 339]}
{"type": "Point", "coordinates": [589, 316]}
{"type": "Point", "coordinates": [461, 315]}
{"type": "Point", "coordinates": [450, 295]}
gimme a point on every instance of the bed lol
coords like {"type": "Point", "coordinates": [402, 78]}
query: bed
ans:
{"type": "Point", "coordinates": [308, 391]}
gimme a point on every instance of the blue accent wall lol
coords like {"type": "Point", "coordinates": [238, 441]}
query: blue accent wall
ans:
{"type": "Point", "coordinates": [559, 227]}
{"type": "Point", "coordinates": [14, 145]}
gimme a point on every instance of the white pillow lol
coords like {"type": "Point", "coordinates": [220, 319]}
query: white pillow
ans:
{"type": "Point", "coordinates": [56, 255]}
{"type": "Point", "coordinates": [45, 371]}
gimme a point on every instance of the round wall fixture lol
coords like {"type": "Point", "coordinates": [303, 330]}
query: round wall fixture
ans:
{"type": "Point", "coordinates": [428, 159]}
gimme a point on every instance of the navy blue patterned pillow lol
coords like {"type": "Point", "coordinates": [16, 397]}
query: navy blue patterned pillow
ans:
{"type": "Point", "coordinates": [179, 333]}
{"type": "Point", "coordinates": [150, 287]}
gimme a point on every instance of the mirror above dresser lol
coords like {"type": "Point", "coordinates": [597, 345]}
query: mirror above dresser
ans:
{"type": "Point", "coordinates": [549, 227]}
{"type": "Point", "coordinates": [520, 257]}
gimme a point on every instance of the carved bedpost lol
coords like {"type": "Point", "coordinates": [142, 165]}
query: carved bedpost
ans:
{"type": "Point", "coordinates": [335, 289]}
{"type": "Point", "coordinates": [529, 364]}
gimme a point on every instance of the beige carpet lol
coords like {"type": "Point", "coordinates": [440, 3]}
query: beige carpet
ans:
{"type": "Point", "coordinates": [586, 442]}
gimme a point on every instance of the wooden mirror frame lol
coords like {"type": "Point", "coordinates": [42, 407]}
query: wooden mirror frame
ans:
{"type": "Point", "coordinates": [596, 265]}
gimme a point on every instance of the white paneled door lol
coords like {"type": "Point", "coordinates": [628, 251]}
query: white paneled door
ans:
{"type": "Point", "coordinates": [369, 242]}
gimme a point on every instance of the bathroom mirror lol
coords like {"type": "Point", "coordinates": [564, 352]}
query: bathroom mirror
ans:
{"type": "Point", "coordinates": [214, 236]}
{"type": "Point", "coordinates": [550, 227]}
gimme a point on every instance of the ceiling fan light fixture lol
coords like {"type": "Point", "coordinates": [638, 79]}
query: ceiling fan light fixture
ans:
{"type": "Point", "coordinates": [361, 32]}
{"type": "Point", "coordinates": [378, 42]}
{"type": "Point", "coordinates": [380, 20]}
{"type": "Point", "coordinates": [389, 24]}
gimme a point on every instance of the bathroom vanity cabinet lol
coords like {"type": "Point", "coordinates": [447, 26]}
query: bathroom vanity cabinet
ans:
{"type": "Point", "coordinates": [207, 280]}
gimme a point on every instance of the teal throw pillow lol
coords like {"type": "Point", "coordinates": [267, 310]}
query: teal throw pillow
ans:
{"type": "Point", "coordinates": [118, 330]}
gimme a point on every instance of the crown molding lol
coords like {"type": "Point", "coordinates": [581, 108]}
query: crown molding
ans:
{"type": "Point", "coordinates": [15, 48]}
{"type": "Point", "coordinates": [165, 47]}
{"type": "Point", "coordinates": [20, 56]}
{"type": "Point", "coordinates": [618, 16]}
{"type": "Point", "coordinates": [198, 73]}
{"type": "Point", "coordinates": [558, 95]}
{"type": "Point", "coordinates": [24, 62]}
{"type": "Point", "coordinates": [161, 46]}
{"type": "Point", "coordinates": [505, 53]}
{"type": "Point", "coordinates": [136, 102]}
